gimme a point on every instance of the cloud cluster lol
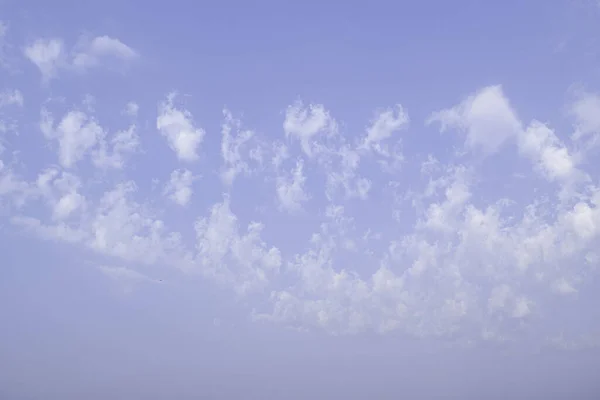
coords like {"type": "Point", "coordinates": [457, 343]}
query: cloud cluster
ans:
{"type": "Point", "coordinates": [50, 55]}
{"type": "Point", "coordinates": [444, 254]}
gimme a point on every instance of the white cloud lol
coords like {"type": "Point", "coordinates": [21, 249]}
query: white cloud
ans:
{"type": "Point", "coordinates": [442, 216]}
{"type": "Point", "coordinates": [8, 123]}
{"type": "Point", "coordinates": [522, 308]}
{"type": "Point", "coordinates": [50, 54]}
{"type": "Point", "coordinates": [460, 260]}
{"type": "Point", "coordinates": [91, 53]}
{"type": "Point", "coordinates": [79, 134]}
{"type": "Point", "coordinates": [67, 204]}
{"type": "Point", "coordinates": [281, 153]}
{"type": "Point", "coordinates": [338, 159]}
{"type": "Point", "coordinates": [179, 188]}
{"type": "Point", "coordinates": [124, 228]}
{"type": "Point", "coordinates": [549, 155]}
{"type": "Point", "coordinates": [241, 260]}
{"type": "Point", "coordinates": [235, 149]}
{"type": "Point", "coordinates": [76, 134]}
{"type": "Point", "coordinates": [290, 190]}
{"type": "Point", "coordinates": [115, 225]}
{"type": "Point", "coordinates": [14, 191]}
{"type": "Point", "coordinates": [305, 123]}
{"type": "Point", "coordinates": [383, 126]}
{"type": "Point", "coordinates": [60, 189]}
{"type": "Point", "coordinates": [485, 117]}
{"type": "Point", "coordinates": [455, 251]}
{"type": "Point", "coordinates": [584, 218]}
{"type": "Point", "coordinates": [112, 153]}
{"type": "Point", "coordinates": [562, 286]}
{"type": "Point", "coordinates": [343, 174]}
{"type": "Point", "coordinates": [177, 126]}
{"type": "Point", "coordinates": [132, 109]}
{"type": "Point", "coordinates": [586, 111]}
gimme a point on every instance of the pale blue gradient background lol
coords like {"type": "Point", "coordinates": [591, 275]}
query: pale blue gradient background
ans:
{"type": "Point", "coordinates": [68, 332]}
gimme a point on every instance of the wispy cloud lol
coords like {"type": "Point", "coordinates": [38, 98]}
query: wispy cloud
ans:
{"type": "Point", "coordinates": [50, 55]}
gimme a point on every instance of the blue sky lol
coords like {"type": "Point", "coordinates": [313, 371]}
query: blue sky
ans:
{"type": "Point", "coordinates": [300, 200]}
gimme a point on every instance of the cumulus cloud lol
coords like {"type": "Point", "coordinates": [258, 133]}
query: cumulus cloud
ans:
{"type": "Point", "coordinates": [550, 157]}
{"type": "Point", "coordinates": [306, 123]}
{"type": "Point", "coordinates": [177, 126]}
{"type": "Point", "coordinates": [50, 55]}
{"type": "Point", "coordinates": [60, 191]}
{"type": "Point", "coordinates": [93, 52]}
{"type": "Point", "coordinates": [384, 125]}
{"type": "Point", "coordinates": [113, 152]}
{"type": "Point", "coordinates": [444, 256]}
{"type": "Point", "coordinates": [485, 118]}
{"type": "Point", "coordinates": [79, 134]}
{"type": "Point", "coordinates": [585, 111]}
{"type": "Point", "coordinates": [9, 99]}
{"type": "Point", "coordinates": [75, 133]}
{"type": "Point", "coordinates": [179, 187]}
{"type": "Point", "coordinates": [239, 149]}
{"type": "Point", "coordinates": [132, 109]}
{"type": "Point", "coordinates": [291, 191]}
{"type": "Point", "coordinates": [113, 225]}
{"type": "Point", "coordinates": [243, 261]}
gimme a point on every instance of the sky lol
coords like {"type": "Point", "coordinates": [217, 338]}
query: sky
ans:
{"type": "Point", "coordinates": [299, 200]}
